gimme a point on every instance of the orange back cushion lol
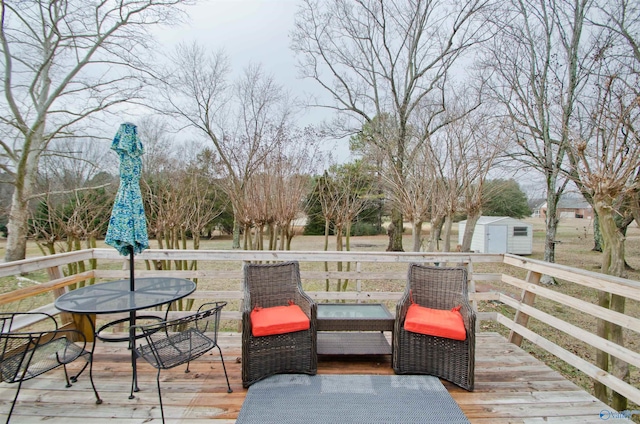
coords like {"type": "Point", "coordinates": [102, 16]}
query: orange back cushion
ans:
{"type": "Point", "coordinates": [435, 322]}
{"type": "Point", "coordinates": [278, 320]}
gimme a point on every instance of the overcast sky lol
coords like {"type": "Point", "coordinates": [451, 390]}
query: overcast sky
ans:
{"type": "Point", "coordinates": [251, 31]}
{"type": "Point", "coordinates": [248, 30]}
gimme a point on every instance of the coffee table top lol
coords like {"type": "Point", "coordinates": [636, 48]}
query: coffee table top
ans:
{"type": "Point", "coordinates": [354, 317]}
{"type": "Point", "coordinates": [353, 311]}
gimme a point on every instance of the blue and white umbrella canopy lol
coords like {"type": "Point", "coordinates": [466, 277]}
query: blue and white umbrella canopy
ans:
{"type": "Point", "coordinates": [127, 230]}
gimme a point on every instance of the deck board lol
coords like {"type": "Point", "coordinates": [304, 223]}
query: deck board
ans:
{"type": "Point", "coordinates": [511, 387]}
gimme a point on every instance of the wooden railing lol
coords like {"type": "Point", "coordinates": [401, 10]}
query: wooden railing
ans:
{"type": "Point", "coordinates": [509, 281]}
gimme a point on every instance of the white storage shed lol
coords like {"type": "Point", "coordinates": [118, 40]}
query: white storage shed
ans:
{"type": "Point", "coordinates": [500, 234]}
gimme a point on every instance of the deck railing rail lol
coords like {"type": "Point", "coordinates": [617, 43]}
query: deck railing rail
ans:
{"type": "Point", "coordinates": [507, 280]}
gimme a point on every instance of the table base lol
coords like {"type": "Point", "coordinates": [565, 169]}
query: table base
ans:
{"type": "Point", "coordinates": [102, 335]}
{"type": "Point", "coordinates": [352, 343]}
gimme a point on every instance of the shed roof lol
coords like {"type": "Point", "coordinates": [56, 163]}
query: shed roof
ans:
{"type": "Point", "coordinates": [485, 220]}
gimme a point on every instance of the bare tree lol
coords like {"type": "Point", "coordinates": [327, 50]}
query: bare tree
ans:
{"type": "Point", "coordinates": [481, 140]}
{"type": "Point", "coordinates": [294, 163]}
{"type": "Point", "coordinates": [273, 194]}
{"type": "Point", "coordinates": [76, 199]}
{"type": "Point", "coordinates": [161, 149]}
{"type": "Point", "coordinates": [63, 63]}
{"type": "Point", "coordinates": [415, 196]}
{"type": "Point", "coordinates": [537, 69]}
{"type": "Point", "coordinates": [244, 120]}
{"type": "Point", "coordinates": [386, 58]}
{"type": "Point", "coordinates": [605, 156]}
{"type": "Point", "coordinates": [438, 212]}
{"type": "Point", "coordinates": [606, 162]}
{"type": "Point", "coordinates": [326, 190]}
{"type": "Point", "coordinates": [622, 20]}
{"type": "Point", "coordinates": [344, 192]}
{"type": "Point", "coordinates": [449, 156]}
{"type": "Point", "coordinates": [181, 201]}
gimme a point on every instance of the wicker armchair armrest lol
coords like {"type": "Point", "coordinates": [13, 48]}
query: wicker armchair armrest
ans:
{"type": "Point", "coordinates": [402, 307]}
{"type": "Point", "coordinates": [468, 315]}
{"type": "Point", "coordinates": [305, 302]}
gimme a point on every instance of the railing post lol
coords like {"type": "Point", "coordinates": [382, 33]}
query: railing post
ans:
{"type": "Point", "coordinates": [358, 282]}
{"type": "Point", "coordinates": [80, 322]}
{"type": "Point", "coordinates": [472, 289]}
{"type": "Point", "coordinates": [527, 298]}
{"type": "Point", "coordinates": [55, 273]}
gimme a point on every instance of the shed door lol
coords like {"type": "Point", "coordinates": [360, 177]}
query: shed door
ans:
{"type": "Point", "coordinates": [496, 238]}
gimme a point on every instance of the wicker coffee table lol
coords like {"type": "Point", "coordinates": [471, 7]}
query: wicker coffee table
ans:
{"type": "Point", "coordinates": [353, 329]}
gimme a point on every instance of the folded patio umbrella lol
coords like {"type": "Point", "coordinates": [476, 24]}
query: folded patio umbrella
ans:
{"type": "Point", "coordinates": [127, 230]}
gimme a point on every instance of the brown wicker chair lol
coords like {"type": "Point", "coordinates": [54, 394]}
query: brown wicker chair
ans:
{"type": "Point", "coordinates": [413, 353]}
{"type": "Point", "coordinates": [275, 285]}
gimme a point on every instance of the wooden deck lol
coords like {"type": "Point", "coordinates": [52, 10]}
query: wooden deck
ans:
{"type": "Point", "coordinates": [511, 387]}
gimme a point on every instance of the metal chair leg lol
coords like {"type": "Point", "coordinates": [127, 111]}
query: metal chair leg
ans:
{"type": "Point", "coordinates": [98, 399]}
{"type": "Point", "coordinates": [66, 376]}
{"type": "Point", "coordinates": [160, 394]}
{"type": "Point", "coordinates": [13, 404]}
{"type": "Point", "coordinates": [88, 358]}
{"type": "Point", "coordinates": [225, 370]}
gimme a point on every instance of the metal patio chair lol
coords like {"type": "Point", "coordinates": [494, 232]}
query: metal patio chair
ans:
{"type": "Point", "coordinates": [26, 354]}
{"type": "Point", "coordinates": [270, 285]}
{"type": "Point", "coordinates": [453, 360]}
{"type": "Point", "coordinates": [179, 341]}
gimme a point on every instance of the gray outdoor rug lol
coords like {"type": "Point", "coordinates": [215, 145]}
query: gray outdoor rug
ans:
{"type": "Point", "coordinates": [366, 399]}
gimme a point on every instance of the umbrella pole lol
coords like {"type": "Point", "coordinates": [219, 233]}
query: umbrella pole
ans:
{"type": "Point", "coordinates": [132, 284]}
{"type": "Point", "coordinates": [132, 322]}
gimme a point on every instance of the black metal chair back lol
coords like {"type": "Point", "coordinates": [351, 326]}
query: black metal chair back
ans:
{"type": "Point", "coordinates": [179, 341]}
{"type": "Point", "coordinates": [27, 354]}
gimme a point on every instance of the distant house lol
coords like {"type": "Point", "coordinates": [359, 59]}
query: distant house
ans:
{"type": "Point", "coordinates": [500, 234]}
{"type": "Point", "coordinates": [568, 207]}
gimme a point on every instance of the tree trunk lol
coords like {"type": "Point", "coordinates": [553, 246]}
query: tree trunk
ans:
{"type": "Point", "coordinates": [347, 232]}
{"type": "Point", "coordinates": [338, 230]}
{"type": "Point", "coordinates": [434, 237]}
{"type": "Point", "coordinates": [551, 219]}
{"type": "Point", "coordinates": [446, 242]}
{"type": "Point", "coordinates": [247, 237]}
{"type": "Point", "coordinates": [416, 235]}
{"type": "Point", "coordinates": [18, 223]}
{"type": "Point", "coordinates": [551, 226]}
{"type": "Point", "coordinates": [469, 229]}
{"type": "Point", "coordinates": [290, 234]}
{"type": "Point", "coordinates": [597, 235]}
{"type": "Point", "coordinates": [280, 236]}
{"type": "Point", "coordinates": [345, 283]}
{"type": "Point", "coordinates": [236, 233]}
{"type": "Point", "coordinates": [326, 248]}
{"type": "Point", "coordinates": [613, 264]}
{"type": "Point", "coordinates": [395, 236]}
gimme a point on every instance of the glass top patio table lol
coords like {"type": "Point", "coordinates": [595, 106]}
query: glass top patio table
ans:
{"type": "Point", "coordinates": [116, 296]}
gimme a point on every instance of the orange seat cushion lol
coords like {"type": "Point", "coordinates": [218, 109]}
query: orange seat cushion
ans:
{"type": "Point", "coordinates": [278, 320]}
{"type": "Point", "coordinates": [435, 322]}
